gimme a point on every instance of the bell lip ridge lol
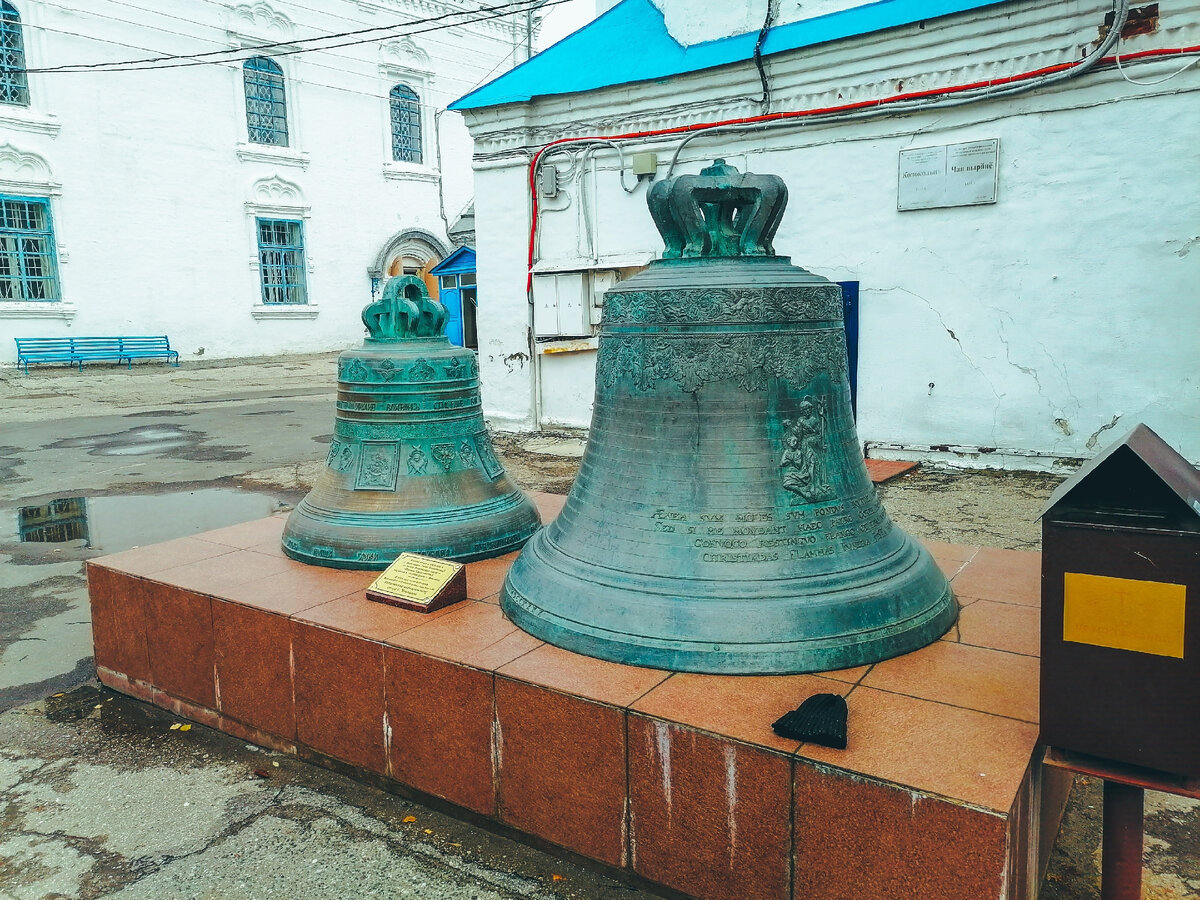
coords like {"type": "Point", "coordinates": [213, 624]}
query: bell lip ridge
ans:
{"type": "Point", "coordinates": [767, 658]}
{"type": "Point", "coordinates": [333, 562]}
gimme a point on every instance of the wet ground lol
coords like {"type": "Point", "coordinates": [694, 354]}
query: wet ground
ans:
{"type": "Point", "coordinates": [99, 797]}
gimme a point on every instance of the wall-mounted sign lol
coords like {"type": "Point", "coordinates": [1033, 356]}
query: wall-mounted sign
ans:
{"type": "Point", "coordinates": [953, 175]}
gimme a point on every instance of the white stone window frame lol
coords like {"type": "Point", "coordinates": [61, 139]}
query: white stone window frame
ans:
{"type": "Point", "coordinates": [253, 25]}
{"type": "Point", "coordinates": [35, 118]}
{"type": "Point", "coordinates": [403, 62]}
{"type": "Point", "coordinates": [26, 174]}
{"type": "Point", "coordinates": [277, 198]}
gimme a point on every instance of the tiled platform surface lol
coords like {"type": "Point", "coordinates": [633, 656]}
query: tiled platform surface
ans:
{"type": "Point", "coordinates": [676, 777]}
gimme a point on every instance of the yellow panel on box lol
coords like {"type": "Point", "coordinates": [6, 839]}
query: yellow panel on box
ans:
{"type": "Point", "coordinates": [1124, 614]}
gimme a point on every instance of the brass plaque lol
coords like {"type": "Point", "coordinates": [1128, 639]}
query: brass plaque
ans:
{"type": "Point", "coordinates": [1124, 614]}
{"type": "Point", "coordinates": [420, 582]}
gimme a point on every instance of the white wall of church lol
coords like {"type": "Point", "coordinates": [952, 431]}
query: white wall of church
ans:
{"type": "Point", "coordinates": [1019, 333]}
{"type": "Point", "coordinates": [154, 186]}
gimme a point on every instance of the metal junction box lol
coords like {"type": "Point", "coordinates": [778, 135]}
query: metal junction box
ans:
{"type": "Point", "coordinates": [1121, 608]}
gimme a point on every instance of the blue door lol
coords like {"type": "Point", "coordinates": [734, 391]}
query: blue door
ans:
{"type": "Point", "coordinates": [450, 298]}
{"type": "Point", "coordinates": [457, 292]}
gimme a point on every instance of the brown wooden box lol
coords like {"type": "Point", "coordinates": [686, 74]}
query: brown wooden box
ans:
{"type": "Point", "coordinates": [1120, 673]}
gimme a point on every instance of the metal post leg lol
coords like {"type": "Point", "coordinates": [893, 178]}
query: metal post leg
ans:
{"type": "Point", "coordinates": [1121, 872]}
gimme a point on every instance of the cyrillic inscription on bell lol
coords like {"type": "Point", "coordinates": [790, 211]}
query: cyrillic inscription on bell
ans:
{"type": "Point", "coordinates": [410, 465]}
{"type": "Point", "coordinates": [723, 519]}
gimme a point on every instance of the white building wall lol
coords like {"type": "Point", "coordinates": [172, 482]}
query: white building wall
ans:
{"type": "Point", "coordinates": [155, 185]}
{"type": "Point", "coordinates": [1019, 333]}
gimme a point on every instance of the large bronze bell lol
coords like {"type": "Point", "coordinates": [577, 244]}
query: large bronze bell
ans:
{"type": "Point", "coordinates": [410, 465]}
{"type": "Point", "coordinates": [723, 519]}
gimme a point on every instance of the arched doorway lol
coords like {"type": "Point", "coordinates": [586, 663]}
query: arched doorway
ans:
{"type": "Point", "coordinates": [410, 252]}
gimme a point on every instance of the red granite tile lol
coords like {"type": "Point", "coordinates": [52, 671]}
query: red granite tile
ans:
{"type": "Point", "coordinates": [298, 588]}
{"type": "Point", "coordinates": [1001, 626]}
{"type": "Point", "coordinates": [990, 681]}
{"type": "Point", "coordinates": [185, 709]}
{"type": "Point", "coordinates": [464, 631]}
{"type": "Point", "coordinates": [248, 733]}
{"type": "Point", "coordinates": [118, 681]}
{"type": "Point", "coordinates": [118, 621]}
{"type": "Point", "coordinates": [561, 761]}
{"type": "Point", "coordinates": [166, 555]}
{"type": "Point", "coordinates": [1006, 576]}
{"type": "Point", "coordinates": [245, 535]}
{"type": "Point", "coordinates": [179, 639]}
{"type": "Point", "coordinates": [737, 706]}
{"type": "Point", "coordinates": [856, 838]}
{"type": "Point", "coordinates": [504, 651]}
{"type": "Point", "coordinates": [253, 653]}
{"type": "Point", "coordinates": [970, 756]}
{"type": "Point", "coordinates": [339, 693]}
{"type": "Point", "coordinates": [708, 817]}
{"type": "Point", "coordinates": [882, 470]}
{"type": "Point", "coordinates": [595, 679]}
{"type": "Point", "coordinates": [548, 505]}
{"type": "Point", "coordinates": [850, 676]}
{"type": "Point", "coordinates": [950, 557]}
{"type": "Point", "coordinates": [485, 578]}
{"type": "Point", "coordinates": [440, 719]}
{"type": "Point", "coordinates": [217, 574]}
{"type": "Point", "coordinates": [355, 614]}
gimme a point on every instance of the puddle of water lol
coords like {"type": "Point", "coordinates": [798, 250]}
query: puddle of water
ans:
{"type": "Point", "coordinates": [112, 524]}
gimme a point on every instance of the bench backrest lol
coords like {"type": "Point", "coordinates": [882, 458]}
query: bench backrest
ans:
{"type": "Point", "coordinates": [145, 343]}
{"type": "Point", "coordinates": [39, 345]}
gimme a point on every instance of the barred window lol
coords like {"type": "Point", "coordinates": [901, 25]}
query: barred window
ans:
{"type": "Point", "coordinates": [406, 124]}
{"type": "Point", "coordinates": [266, 103]}
{"type": "Point", "coordinates": [28, 265]}
{"type": "Point", "coordinates": [281, 261]}
{"type": "Point", "coordinates": [14, 84]}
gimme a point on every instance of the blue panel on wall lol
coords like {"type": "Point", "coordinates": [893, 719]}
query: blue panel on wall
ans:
{"type": "Point", "coordinates": [850, 317]}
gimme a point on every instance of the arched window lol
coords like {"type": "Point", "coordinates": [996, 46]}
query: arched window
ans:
{"type": "Point", "coordinates": [406, 124]}
{"type": "Point", "coordinates": [266, 104]}
{"type": "Point", "coordinates": [14, 84]}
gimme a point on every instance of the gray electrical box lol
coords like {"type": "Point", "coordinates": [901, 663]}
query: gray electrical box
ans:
{"type": "Point", "coordinates": [645, 163]}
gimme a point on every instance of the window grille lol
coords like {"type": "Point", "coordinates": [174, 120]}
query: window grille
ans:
{"type": "Point", "coordinates": [14, 84]}
{"type": "Point", "coordinates": [266, 103]}
{"type": "Point", "coordinates": [281, 261]}
{"type": "Point", "coordinates": [406, 124]}
{"type": "Point", "coordinates": [28, 265]}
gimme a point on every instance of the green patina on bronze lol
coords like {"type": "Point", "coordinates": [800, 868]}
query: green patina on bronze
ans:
{"type": "Point", "coordinates": [723, 519]}
{"type": "Point", "coordinates": [410, 464]}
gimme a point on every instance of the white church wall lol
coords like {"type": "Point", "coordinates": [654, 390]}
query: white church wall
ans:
{"type": "Point", "coordinates": [1020, 333]}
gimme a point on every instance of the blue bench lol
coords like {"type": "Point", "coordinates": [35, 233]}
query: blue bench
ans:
{"type": "Point", "coordinates": [77, 351]}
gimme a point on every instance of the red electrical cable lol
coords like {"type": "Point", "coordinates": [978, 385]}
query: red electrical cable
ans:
{"type": "Point", "coordinates": [826, 110]}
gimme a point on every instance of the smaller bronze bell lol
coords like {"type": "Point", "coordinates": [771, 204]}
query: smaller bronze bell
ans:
{"type": "Point", "coordinates": [410, 465]}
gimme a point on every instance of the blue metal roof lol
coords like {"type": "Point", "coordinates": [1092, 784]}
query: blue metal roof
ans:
{"type": "Point", "coordinates": [630, 42]}
{"type": "Point", "coordinates": [461, 260]}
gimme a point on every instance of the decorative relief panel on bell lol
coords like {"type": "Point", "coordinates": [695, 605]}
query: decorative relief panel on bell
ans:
{"type": "Point", "coordinates": [379, 467]}
{"type": "Point", "coordinates": [725, 305]}
{"type": "Point", "coordinates": [692, 361]}
{"type": "Point", "coordinates": [805, 453]}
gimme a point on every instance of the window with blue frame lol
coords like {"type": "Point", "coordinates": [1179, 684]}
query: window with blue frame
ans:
{"type": "Point", "coordinates": [28, 263]}
{"type": "Point", "coordinates": [281, 261]}
{"type": "Point", "coordinates": [266, 102]}
{"type": "Point", "coordinates": [14, 84]}
{"type": "Point", "coordinates": [406, 124]}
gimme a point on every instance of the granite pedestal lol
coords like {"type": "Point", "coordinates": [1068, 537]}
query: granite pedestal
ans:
{"type": "Point", "coordinates": [675, 778]}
